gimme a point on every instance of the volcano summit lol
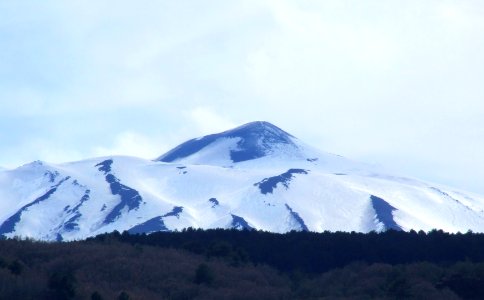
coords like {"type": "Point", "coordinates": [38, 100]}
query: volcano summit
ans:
{"type": "Point", "coordinates": [256, 176]}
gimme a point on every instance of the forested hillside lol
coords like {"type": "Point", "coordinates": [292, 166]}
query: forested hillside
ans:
{"type": "Point", "coordinates": [230, 264]}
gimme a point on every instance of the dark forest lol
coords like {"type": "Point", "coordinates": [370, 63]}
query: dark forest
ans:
{"type": "Point", "coordinates": [232, 264]}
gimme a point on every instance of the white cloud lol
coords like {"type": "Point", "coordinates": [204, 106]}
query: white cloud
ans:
{"type": "Point", "coordinates": [464, 15]}
{"type": "Point", "coordinates": [36, 148]}
{"type": "Point", "coordinates": [133, 144]}
{"type": "Point", "coordinates": [206, 121]}
{"type": "Point", "coordinates": [368, 79]}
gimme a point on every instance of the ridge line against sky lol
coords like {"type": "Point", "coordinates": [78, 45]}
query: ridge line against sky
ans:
{"type": "Point", "coordinates": [396, 83]}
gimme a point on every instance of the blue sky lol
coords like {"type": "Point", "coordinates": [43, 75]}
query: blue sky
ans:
{"type": "Point", "coordinates": [395, 83]}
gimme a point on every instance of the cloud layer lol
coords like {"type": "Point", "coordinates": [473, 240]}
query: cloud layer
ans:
{"type": "Point", "coordinates": [396, 83]}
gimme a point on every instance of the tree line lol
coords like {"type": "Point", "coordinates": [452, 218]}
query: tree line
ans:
{"type": "Point", "coordinates": [231, 264]}
{"type": "Point", "coordinates": [313, 252]}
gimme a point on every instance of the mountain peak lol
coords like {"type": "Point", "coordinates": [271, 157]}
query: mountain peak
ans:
{"type": "Point", "coordinates": [249, 141]}
{"type": "Point", "coordinates": [258, 127]}
{"type": "Point", "coordinates": [260, 130]}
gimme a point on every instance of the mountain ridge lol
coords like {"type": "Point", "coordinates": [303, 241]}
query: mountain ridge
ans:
{"type": "Point", "coordinates": [275, 183]}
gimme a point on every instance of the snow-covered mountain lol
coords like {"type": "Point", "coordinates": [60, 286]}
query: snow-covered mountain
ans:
{"type": "Point", "coordinates": [254, 176]}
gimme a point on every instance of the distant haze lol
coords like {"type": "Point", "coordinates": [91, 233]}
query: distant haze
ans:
{"type": "Point", "coordinates": [394, 83]}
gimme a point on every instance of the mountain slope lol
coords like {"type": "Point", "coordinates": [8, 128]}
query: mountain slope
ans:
{"type": "Point", "coordinates": [254, 176]}
{"type": "Point", "coordinates": [250, 141]}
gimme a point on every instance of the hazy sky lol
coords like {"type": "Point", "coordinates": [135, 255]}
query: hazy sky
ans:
{"type": "Point", "coordinates": [396, 83]}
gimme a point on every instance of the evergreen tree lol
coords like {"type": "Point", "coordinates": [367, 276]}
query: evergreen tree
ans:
{"type": "Point", "coordinates": [96, 296]}
{"type": "Point", "coordinates": [16, 267]}
{"type": "Point", "coordinates": [124, 296]}
{"type": "Point", "coordinates": [63, 285]}
{"type": "Point", "coordinates": [203, 274]}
